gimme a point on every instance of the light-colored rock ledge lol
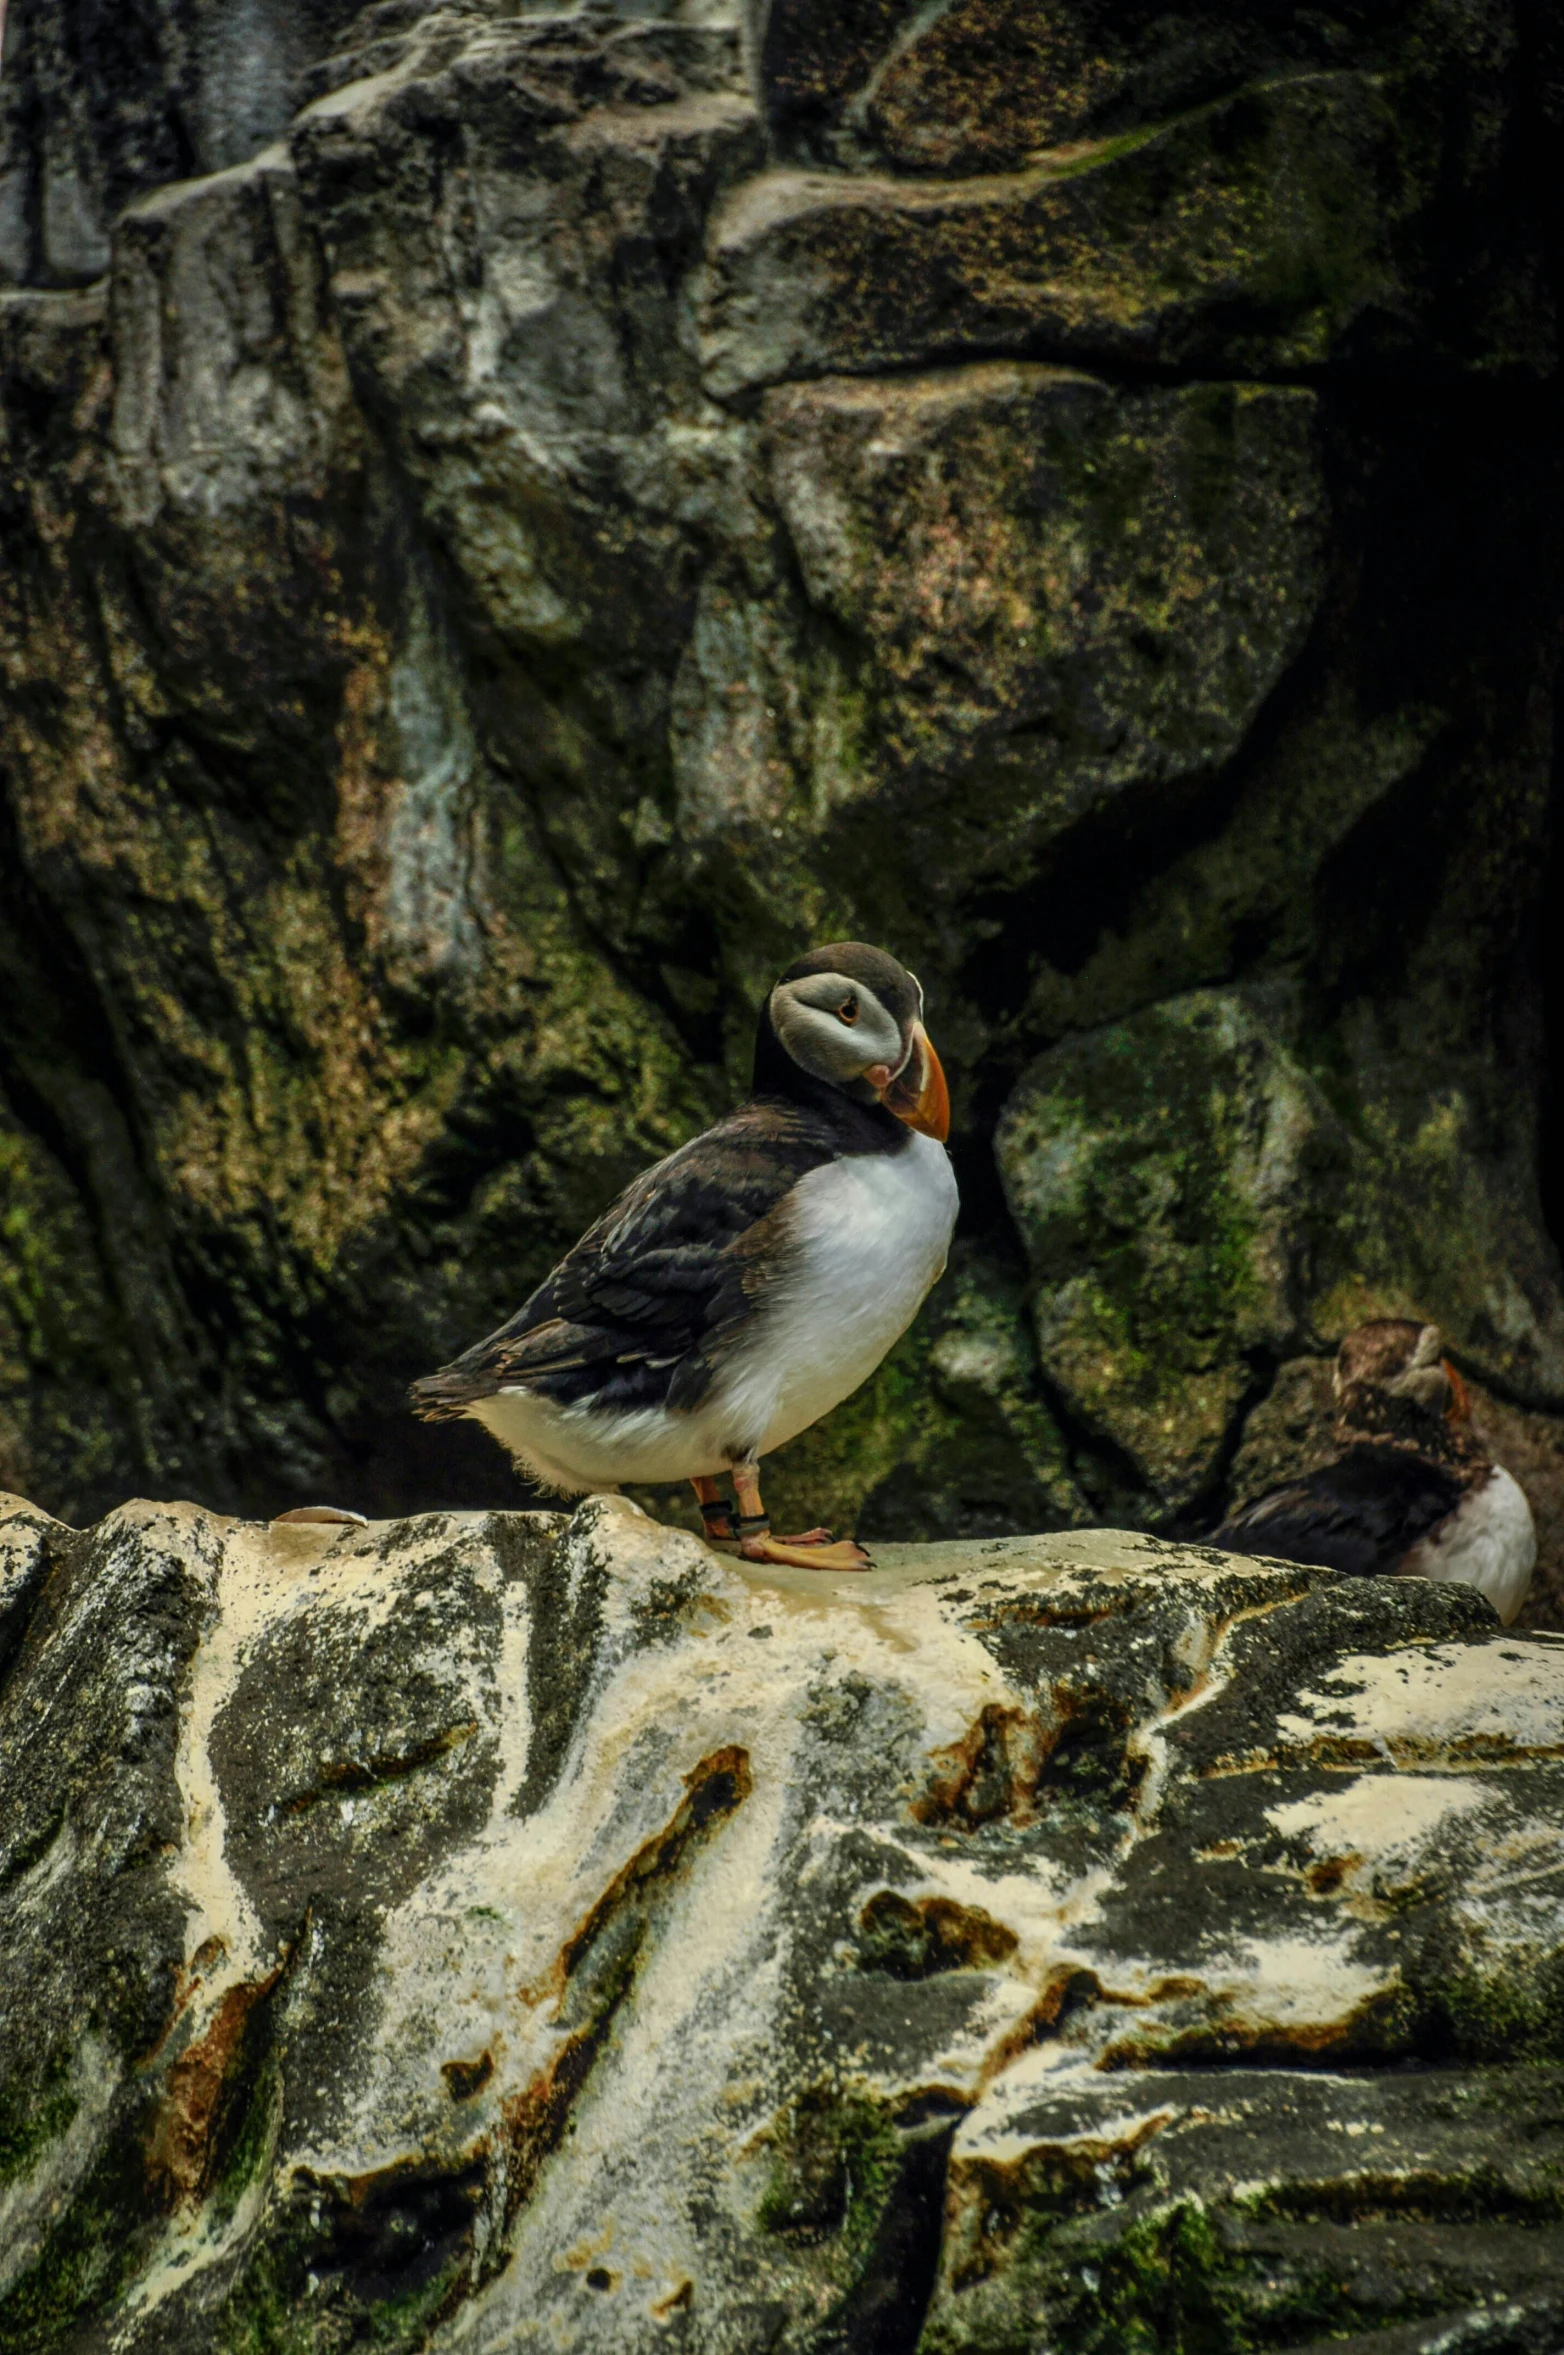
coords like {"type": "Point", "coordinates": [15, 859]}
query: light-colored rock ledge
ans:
{"type": "Point", "coordinates": [498, 1931]}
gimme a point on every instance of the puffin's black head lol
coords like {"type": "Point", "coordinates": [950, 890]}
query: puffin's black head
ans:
{"type": "Point", "coordinates": [850, 1015]}
{"type": "Point", "coordinates": [1401, 1358]}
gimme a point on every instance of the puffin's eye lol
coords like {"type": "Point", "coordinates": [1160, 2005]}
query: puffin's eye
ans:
{"type": "Point", "coordinates": [847, 1011]}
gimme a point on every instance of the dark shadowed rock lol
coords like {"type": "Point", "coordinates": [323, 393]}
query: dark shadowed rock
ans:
{"type": "Point", "coordinates": [100, 103]}
{"type": "Point", "coordinates": [485, 1930]}
{"type": "Point", "coordinates": [1291, 225]}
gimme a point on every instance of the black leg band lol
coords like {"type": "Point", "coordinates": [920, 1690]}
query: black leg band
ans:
{"type": "Point", "coordinates": [751, 1525]}
{"type": "Point", "coordinates": [716, 1512]}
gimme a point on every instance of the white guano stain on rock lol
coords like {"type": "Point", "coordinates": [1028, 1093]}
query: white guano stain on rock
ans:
{"type": "Point", "coordinates": [1444, 1705]}
{"type": "Point", "coordinates": [1370, 1819]}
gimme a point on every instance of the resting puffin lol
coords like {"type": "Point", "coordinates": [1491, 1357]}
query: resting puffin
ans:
{"type": "Point", "coordinates": [750, 1282]}
{"type": "Point", "coordinates": [1409, 1488]}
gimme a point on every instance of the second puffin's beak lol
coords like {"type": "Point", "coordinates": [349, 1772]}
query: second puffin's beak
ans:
{"type": "Point", "coordinates": [918, 1094]}
{"type": "Point", "coordinates": [1460, 1408]}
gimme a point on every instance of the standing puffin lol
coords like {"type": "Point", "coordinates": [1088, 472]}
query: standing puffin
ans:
{"type": "Point", "coordinates": [1409, 1489]}
{"type": "Point", "coordinates": [743, 1287]}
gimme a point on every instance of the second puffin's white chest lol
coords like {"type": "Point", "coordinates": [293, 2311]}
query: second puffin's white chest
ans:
{"type": "Point", "coordinates": [867, 1238]}
{"type": "Point", "coordinates": [1489, 1541]}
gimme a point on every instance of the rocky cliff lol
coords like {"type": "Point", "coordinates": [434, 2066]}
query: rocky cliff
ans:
{"type": "Point", "coordinates": [498, 1932]}
{"type": "Point", "coordinates": [515, 521]}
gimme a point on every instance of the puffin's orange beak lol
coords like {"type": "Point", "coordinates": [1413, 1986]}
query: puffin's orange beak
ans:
{"type": "Point", "coordinates": [1460, 1408]}
{"type": "Point", "coordinates": [918, 1094]}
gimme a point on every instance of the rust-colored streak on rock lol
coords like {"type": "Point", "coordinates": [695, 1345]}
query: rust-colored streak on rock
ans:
{"type": "Point", "coordinates": [341, 1778]}
{"type": "Point", "coordinates": [466, 2078]}
{"type": "Point", "coordinates": [1041, 1612]}
{"type": "Point", "coordinates": [1361, 2031]}
{"type": "Point", "coordinates": [915, 1938]}
{"type": "Point", "coordinates": [1071, 1988]}
{"type": "Point", "coordinates": [991, 1772]}
{"type": "Point", "coordinates": [1013, 1761]}
{"type": "Point", "coordinates": [597, 1966]}
{"type": "Point", "coordinates": [535, 2120]}
{"type": "Point", "coordinates": [1068, 1988]}
{"type": "Point", "coordinates": [715, 1787]}
{"type": "Point", "coordinates": [1398, 1753]}
{"type": "Point", "coordinates": [184, 2136]}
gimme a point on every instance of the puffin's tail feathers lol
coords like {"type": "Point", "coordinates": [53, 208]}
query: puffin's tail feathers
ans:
{"type": "Point", "coordinates": [446, 1396]}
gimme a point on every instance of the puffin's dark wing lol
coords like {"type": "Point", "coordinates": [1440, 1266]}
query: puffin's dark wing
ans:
{"type": "Point", "coordinates": [1362, 1513]}
{"type": "Point", "coordinates": [632, 1314]}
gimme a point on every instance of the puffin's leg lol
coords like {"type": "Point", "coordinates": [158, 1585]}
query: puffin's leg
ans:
{"type": "Point", "coordinates": [815, 1550]}
{"type": "Point", "coordinates": [716, 1512]}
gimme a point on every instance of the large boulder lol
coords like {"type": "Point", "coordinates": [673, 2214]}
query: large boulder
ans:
{"type": "Point", "coordinates": [981, 617]}
{"type": "Point", "coordinates": [499, 1930]}
{"type": "Point", "coordinates": [1198, 1206]}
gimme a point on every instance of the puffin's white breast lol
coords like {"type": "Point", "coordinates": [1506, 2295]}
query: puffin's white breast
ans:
{"type": "Point", "coordinates": [1489, 1542]}
{"type": "Point", "coordinates": [867, 1238]}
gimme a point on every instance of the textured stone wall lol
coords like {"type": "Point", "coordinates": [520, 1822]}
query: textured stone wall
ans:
{"type": "Point", "coordinates": [513, 523]}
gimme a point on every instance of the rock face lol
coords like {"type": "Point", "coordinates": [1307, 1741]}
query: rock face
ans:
{"type": "Point", "coordinates": [496, 1931]}
{"type": "Point", "coordinates": [512, 522]}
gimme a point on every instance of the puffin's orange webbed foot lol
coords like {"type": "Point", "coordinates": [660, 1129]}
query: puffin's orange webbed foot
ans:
{"type": "Point", "coordinates": [815, 1550]}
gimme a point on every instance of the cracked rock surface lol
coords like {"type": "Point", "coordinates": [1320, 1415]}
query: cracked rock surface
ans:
{"type": "Point", "coordinates": [503, 1931]}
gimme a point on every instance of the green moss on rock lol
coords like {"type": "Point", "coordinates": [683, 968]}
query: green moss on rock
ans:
{"type": "Point", "coordinates": [263, 2311]}
{"type": "Point", "coordinates": [835, 2163]}
{"type": "Point", "coordinates": [1263, 2212]}
{"type": "Point", "coordinates": [104, 2233]}
{"type": "Point", "coordinates": [279, 2305]}
{"type": "Point", "coordinates": [36, 2106]}
{"type": "Point", "coordinates": [1200, 1203]}
{"type": "Point", "coordinates": [1165, 1176]}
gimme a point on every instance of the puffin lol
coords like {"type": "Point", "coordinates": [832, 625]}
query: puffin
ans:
{"type": "Point", "coordinates": [744, 1286]}
{"type": "Point", "coordinates": [1409, 1489]}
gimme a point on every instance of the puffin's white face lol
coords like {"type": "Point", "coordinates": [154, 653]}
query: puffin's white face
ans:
{"type": "Point", "coordinates": [1423, 1377]}
{"type": "Point", "coordinates": [839, 1030]}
